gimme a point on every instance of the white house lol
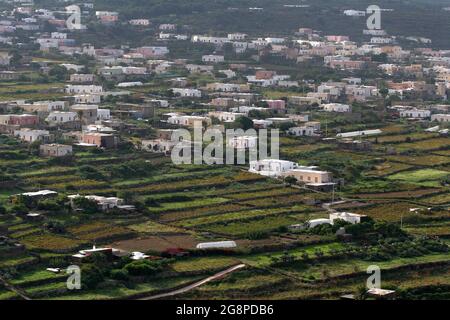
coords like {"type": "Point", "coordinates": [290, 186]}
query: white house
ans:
{"type": "Point", "coordinates": [88, 98]}
{"type": "Point", "coordinates": [213, 58]}
{"type": "Point", "coordinates": [354, 13]}
{"type": "Point", "coordinates": [134, 70]}
{"type": "Point", "coordinates": [415, 113]}
{"type": "Point", "coordinates": [225, 116]}
{"type": "Point", "coordinates": [139, 22]}
{"type": "Point", "coordinates": [271, 167]}
{"type": "Point", "coordinates": [72, 67]}
{"type": "Point", "coordinates": [352, 218]}
{"type": "Point", "coordinates": [61, 117]}
{"type": "Point", "coordinates": [197, 68]}
{"type": "Point", "coordinates": [243, 142]}
{"type": "Point", "coordinates": [261, 123]}
{"type": "Point", "coordinates": [336, 107]}
{"type": "Point", "coordinates": [130, 84]}
{"type": "Point", "coordinates": [103, 114]}
{"type": "Point", "coordinates": [274, 40]}
{"type": "Point", "coordinates": [229, 73]}
{"type": "Point", "coordinates": [104, 203]}
{"type": "Point", "coordinates": [224, 87]}
{"type": "Point", "coordinates": [332, 89]}
{"type": "Point", "coordinates": [237, 36]}
{"type": "Point", "coordinates": [345, 216]}
{"type": "Point", "coordinates": [77, 77]}
{"type": "Point", "coordinates": [189, 121]}
{"type": "Point", "coordinates": [55, 150]}
{"type": "Point", "coordinates": [302, 131]}
{"type": "Point", "coordinates": [159, 103]}
{"type": "Point", "coordinates": [158, 145]}
{"type": "Point", "coordinates": [44, 106]}
{"type": "Point", "coordinates": [83, 89]}
{"type": "Point", "coordinates": [168, 26]}
{"type": "Point", "coordinates": [184, 92]}
{"type": "Point", "coordinates": [29, 135]}
{"type": "Point", "coordinates": [440, 117]}
{"type": "Point", "coordinates": [207, 39]}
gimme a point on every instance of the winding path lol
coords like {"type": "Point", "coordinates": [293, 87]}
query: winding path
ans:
{"type": "Point", "coordinates": [10, 287]}
{"type": "Point", "coordinates": [196, 284]}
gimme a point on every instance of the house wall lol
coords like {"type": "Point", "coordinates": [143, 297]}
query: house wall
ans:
{"type": "Point", "coordinates": [310, 176]}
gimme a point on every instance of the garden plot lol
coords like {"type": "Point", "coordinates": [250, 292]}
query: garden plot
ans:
{"type": "Point", "coordinates": [441, 229]}
{"type": "Point", "coordinates": [388, 168]}
{"type": "Point", "coordinates": [213, 210]}
{"type": "Point", "coordinates": [425, 145]}
{"type": "Point", "coordinates": [404, 137]}
{"type": "Point", "coordinates": [423, 177]}
{"type": "Point", "coordinates": [189, 265]}
{"type": "Point", "coordinates": [17, 261]}
{"type": "Point", "coordinates": [406, 195]}
{"type": "Point", "coordinates": [439, 199]}
{"type": "Point", "coordinates": [230, 217]}
{"type": "Point", "coordinates": [253, 227]}
{"type": "Point", "coordinates": [425, 160]}
{"type": "Point", "coordinates": [394, 211]}
{"type": "Point", "coordinates": [323, 271]}
{"type": "Point", "coordinates": [100, 231]}
{"type": "Point", "coordinates": [153, 227]}
{"type": "Point", "coordinates": [52, 242]}
{"type": "Point", "coordinates": [219, 181]}
{"type": "Point", "coordinates": [198, 203]}
{"type": "Point", "coordinates": [39, 275]}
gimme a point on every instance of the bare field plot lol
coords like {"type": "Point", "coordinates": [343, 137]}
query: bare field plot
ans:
{"type": "Point", "coordinates": [157, 243]}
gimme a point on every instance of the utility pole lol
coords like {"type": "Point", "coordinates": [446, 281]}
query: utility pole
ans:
{"type": "Point", "coordinates": [401, 221]}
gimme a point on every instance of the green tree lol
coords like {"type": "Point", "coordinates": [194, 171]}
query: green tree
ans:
{"type": "Point", "coordinates": [244, 123]}
{"type": "Point", "coordinates": [58, 72]}
{"type": "Point", "coordinates": [91, 276]}
{"type": "Point", "coordinates": [88, 206]}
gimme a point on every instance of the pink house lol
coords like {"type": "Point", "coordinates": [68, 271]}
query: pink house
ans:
{"type": "Point", "coordinates": [109, 18]}
{"type": "Point", "coordinates": [23, 120]}
{"type": "Point", "coordinates": [337, 38]}
{"type": "Point", "coordinates": [276, 104]}
{"type": "Point", "coordinates": [264, 75]}
{"type": "Point", "coordinates": [346, 64]}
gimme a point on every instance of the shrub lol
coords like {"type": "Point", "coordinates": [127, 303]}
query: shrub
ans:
{"type": "Point", "coordinates": [89, 172]}
{"type": "Point", "coordinates": [87, 205]}
{"type": "Point", "coordinates": [257, 235]}
{"type": "Point", "coordinates": [144, 267]}
{"type": "Point", "coordinates": [120, 274]}
{"type": "Point", "coordinates": [91, 276]}
{"type": "Point", "coordinates": [55, 226]}
{"type": "Point", "coordinates": [19, 209]}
